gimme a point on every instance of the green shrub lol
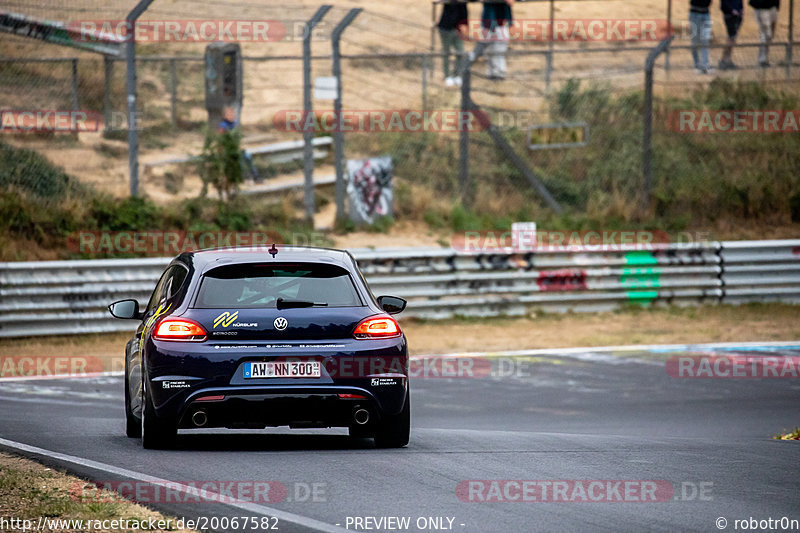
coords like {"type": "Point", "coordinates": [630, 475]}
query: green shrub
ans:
{"type": "Point", "coordinates": [31, 172]}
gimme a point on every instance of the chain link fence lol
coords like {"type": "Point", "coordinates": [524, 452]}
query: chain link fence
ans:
{"type": "Point", "coordinates": [559, 90]}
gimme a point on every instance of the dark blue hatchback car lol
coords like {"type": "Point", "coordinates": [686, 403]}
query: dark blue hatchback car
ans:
{"type": "Point", "coordinates": [255, 338]}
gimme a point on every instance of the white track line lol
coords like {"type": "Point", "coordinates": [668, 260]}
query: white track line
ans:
{"type": "Point", "coordinates": [521, 353]}
{"type": "Point", "coordinates": [213, 496]}
{"type": "Point", "coordinates": [624, 348]}
{"type": "Point", "coordinates": [88, 375]}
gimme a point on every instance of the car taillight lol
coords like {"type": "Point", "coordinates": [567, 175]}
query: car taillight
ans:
{"type": "Point", "coordinates": [216, 398]}
{"type": "Point", "coordinates": [377, 328]}
{"type": "Point", "coordinates": [179, 329]}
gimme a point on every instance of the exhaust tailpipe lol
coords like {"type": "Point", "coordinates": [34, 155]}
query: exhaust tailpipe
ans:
{"type": "Point", "coordinates": [199, 418]}
{"type": "Point", "coordinates": [361, 416]}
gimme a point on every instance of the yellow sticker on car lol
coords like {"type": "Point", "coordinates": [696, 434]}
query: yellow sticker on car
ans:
{"type": "Point", "coordinates": [225, 319]}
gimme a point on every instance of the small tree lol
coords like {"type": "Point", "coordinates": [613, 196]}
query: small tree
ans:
{"type": "Point", "coordinates": [221, 163]}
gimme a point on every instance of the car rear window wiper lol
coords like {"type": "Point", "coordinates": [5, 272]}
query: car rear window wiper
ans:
{"type": "Point", "coordinates": [286, 304]}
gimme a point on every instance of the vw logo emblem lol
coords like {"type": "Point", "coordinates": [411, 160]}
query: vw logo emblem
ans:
{"type": "Point", "coordinates": [281, 323]}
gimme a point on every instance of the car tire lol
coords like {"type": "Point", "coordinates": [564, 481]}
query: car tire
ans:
{"type": "Point", "coordinates": [394, 430]}
{"type": "Point", "coordinates": [157, 433]}
{"type": "Point", "coordinates": [133, 425]}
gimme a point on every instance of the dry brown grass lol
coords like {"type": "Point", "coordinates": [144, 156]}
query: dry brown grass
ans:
{"type": "Point", "coordinates": [29, 490]}
{"type": "Point", "coordinates": [390, 26]}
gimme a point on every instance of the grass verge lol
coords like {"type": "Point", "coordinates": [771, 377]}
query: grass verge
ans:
{"type": "Point", "coordinates": [29, 491]}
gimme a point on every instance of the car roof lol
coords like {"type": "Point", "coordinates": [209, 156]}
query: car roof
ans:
{"type": "Point", "coordinates": [213, 257]}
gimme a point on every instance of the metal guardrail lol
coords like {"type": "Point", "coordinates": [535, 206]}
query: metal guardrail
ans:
{"type": "Point", "coordinates": [69, 297]}
{"type": "Point", "coordinates": [277, 153]}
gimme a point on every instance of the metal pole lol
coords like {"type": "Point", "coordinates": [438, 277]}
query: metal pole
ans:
{"type": "Point", "coordinates": [308, 134]}
{"type": "Point", "coordinates": [550, 46]}
{"type": "Point", "coordinates": [424, 83]}
{"type": "Point", "coordinates": [670, 31]}
{"type": "Point", "coordinates": [425, 59]}
{"type": "Point", "coordinates": [75, 102]}
{"type": "Point", "coordinates": [338, 136]}
{"type": "Point", "coordinates": [173, 97]}
{"type": "Point", "coordinates": [466, 106]}
{"type": "Point", "coordinates": [463, 142]}
{"type": "Point", "coordinates": [532, 178]}
{"type": "Point", "coordinates": [433, 37]}
{"type": "Point", "coordinates": [647, 142]}
{"type": "Point", "coordinates": [108, 68]}
{"type": "Point", "coordinates": [133, 127]}
{"type": "Point", "coordinates": [789, 49]}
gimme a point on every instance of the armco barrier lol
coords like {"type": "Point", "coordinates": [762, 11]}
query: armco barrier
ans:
{"type": "Point", "coordinates": [69, 297]}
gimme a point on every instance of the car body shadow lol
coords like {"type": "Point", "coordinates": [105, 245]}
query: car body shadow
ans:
{"type": "Point", "coordinates": [270, 442]}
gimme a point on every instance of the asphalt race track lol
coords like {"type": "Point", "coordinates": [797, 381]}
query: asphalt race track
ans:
{"type": "Point", "coordinates": [572, 417]}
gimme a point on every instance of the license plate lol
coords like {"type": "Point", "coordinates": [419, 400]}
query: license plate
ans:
{"type": "Point", "coordinates": [282, 369]}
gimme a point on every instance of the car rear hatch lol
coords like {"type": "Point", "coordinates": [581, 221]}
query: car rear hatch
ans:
{"type": "Point", "coordinates": [279, 325]}
{"type": "Point", "coordinates": [266, 319]}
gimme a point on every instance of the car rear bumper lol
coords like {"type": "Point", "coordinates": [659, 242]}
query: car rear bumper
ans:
{"type": "Point", "coordinates": [260, 407]}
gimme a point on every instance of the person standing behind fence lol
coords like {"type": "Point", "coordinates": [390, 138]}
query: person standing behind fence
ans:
{"type": "Point", "coordinates": [227, 125]}
{"type": "Point", "coordinates": [496, 21]}
{"type": "Point", "coordinates": [700, 24]}
{"type": "Point", "coordinates": [733, 12]}
{"type": "Point", "coordinates": [454, 16]}
{"type": "Point", "coordinates": [767, 18]}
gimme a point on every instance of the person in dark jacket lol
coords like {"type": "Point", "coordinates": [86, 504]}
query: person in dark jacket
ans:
{"type": "Point", "coordinates": [454, 17]}
{"type": "Point", "coordinates": [700, 24]}
{"type": "Point", "coordinates": [496, 22]}
{"type": "Point", "coordinates": [733, 13]}
{"type": "Point", "coordinates": [227, 125]}
{"type": "Point", "coordinates": [767, 18]}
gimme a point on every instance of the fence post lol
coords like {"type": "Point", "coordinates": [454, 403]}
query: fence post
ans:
{"type": "Point", "coordinates": [108, 70]}
{"type": "Point", "coordinates": [789, 48]}
{"type": "Point", "coordinates": [424, 82]}
{"type": "Point", "coordinates": [173, 97]}
{"type": "Point", "coordinates": [308, 134]}
{"type": "Point", "coordinates": [670, 31]}
{"type": "Point", "coordinates": [338, 135]}
{"type": "Point", "coordinates": [75, 103]}
{"type": "Point", "coordinates": [133, 126]}
{"type": "Point", "coordinates": [463, 141]}
{"type": "Point", "coordinates": [466, 107]}
{"type": "Point", "coordinates": [550, 46]}
{"type": "Point", "coordinates": [647, 142]}
{"type": "Point", "coordinates": [432, 51]}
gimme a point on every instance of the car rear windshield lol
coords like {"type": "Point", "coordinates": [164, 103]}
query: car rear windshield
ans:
{"type": "Point", "coordinates": [261, 285]}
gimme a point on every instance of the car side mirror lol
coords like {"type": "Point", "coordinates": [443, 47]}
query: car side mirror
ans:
{"type": "Point", "coordinates": [392, 304]}
{"type": "Point", "coordinates": [126, 309]}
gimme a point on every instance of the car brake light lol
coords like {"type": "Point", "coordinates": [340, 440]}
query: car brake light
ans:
{"type": "Point", "coordinates": [217, 398]}
{"type": "Point", "coordinates": [376, 328]}
{"type": "Point", "coordinates": [346, 396]}
{"type": "Point", "coordinates": [179, 329]}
